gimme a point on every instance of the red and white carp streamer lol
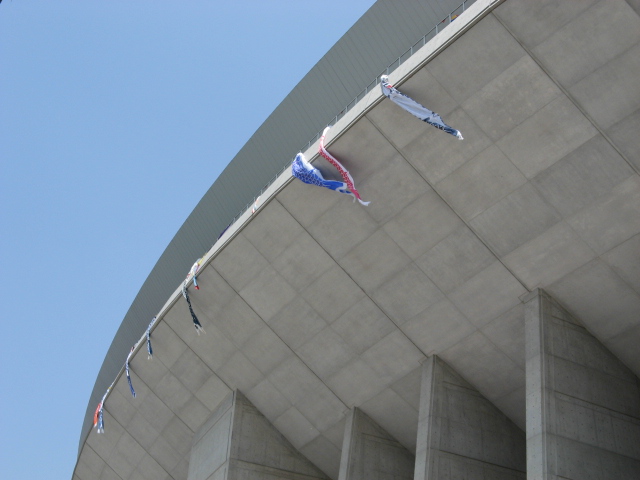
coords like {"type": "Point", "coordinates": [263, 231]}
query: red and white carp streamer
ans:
{"type": "Point", "coordinates": [98, 419]}
{"type": "Point", "coordinates": [414, 108]}
{"type": "Point", "coordinates": [344, 173]}
{"type": "Point", "coordinates": [96, 415]}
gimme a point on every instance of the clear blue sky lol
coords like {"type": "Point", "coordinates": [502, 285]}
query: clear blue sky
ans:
{"type": "Point", "coordinates": [115, 118]}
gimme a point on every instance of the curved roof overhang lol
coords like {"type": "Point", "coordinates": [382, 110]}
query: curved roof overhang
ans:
{"type": "Point", "coordinates": [315, 305]}
{"type": "Point", "coordinates": [377, 39]}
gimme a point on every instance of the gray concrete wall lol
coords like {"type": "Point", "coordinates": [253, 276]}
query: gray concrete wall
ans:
{"type": "Point", "coordinates": [360, 55]}
{"type": "Point", "coordinates": [583, 404]}
{"type": "Point", "coordinates": [461, 434]}
{"type": "Point", "coordinates": [210, 450]}
{"type": "Point", "coordinates": [317, 305]}
{"type": "Point", "coordinates": [238, 442]}
{"type": "Point", "coordinates": [370, 453]}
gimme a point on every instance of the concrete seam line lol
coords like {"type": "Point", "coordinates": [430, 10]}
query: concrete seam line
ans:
{"type": "Point", "coordinates": [569, 96]}
{"type": "Point", "coordinates": [450, 206]}
{"type": "Point", "coordinates": [363, 291]}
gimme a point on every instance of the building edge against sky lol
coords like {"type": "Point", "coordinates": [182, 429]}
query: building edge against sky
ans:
{"type": "Point", "coordinates": [376, 40]}
{"type": "Point", "coordinates": [521, 243]}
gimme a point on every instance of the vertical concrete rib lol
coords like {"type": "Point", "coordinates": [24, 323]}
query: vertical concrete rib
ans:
{"type": "Point", "coordinates": [370, 453]}
{"type": "Point", "coordinates": [583, 404]}
{"type": "Point", "coordinates": [461, 434]}
{"type": "Point", "coordinates": [238, 442]}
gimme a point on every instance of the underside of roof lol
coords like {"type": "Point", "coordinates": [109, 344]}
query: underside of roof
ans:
{"type": "Point", "coordinates": [314, 305]}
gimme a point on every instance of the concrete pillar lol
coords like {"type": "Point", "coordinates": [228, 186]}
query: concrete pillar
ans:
{"type": "Point", "coordinates": [370, 453]}
{"type": "Point", "coordinates": [583, 404]}
{"type": "Point", "coordinates": [461, 434]}
{"type": "Point", "coordinates": [238, 442]}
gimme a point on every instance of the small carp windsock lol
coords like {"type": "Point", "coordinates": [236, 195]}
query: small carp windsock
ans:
{"type": "Point", "coordinates": [255, 205]}
{"type": "Point", "coordinates": [414, 108]}
{"type": "Point", "coordinates": [193, 272]}
{"type": "Point", "coordinates": [196, 322]}
{"type": "Point", "coordinates": [149, 349]}
{"type": "Point", "coordinates": [126, 369]}
{"type": "Point", "coordinates": [100, 419]}
{"type": "Point", "coordinates": [98, 416]}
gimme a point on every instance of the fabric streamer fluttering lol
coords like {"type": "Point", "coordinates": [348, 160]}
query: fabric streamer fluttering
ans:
{"type": "Point", "coordinates": [98, 416]}
{"type": "Point", "coordinates": [223, 231]}
{"type": "Point", "coordinates": [307, 173]}
{"type": "Point", "coordinates": [346, 176]}
{"type": "Point", "coordinates": [149, 349]}
{"type": "Point", "coordinates": [126, 369]}
{"type": "Point", "coordinates": [193, 272]}
{"type": "Point", "coordinates": [255, 206]}
{"type": "Point", "coordinates": [414, 108]}
{"type": "Point", "coordinates": [196, 322]}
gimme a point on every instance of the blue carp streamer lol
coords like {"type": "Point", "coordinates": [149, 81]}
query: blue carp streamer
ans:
{"type": "Point", "coordinates": [307, 173]}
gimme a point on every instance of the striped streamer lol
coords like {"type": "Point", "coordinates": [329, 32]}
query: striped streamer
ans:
{"type": "Point", "coordinates": [126, 368]}
{"type": "Point", "coordinates": [149, 349]}
{"type": "Point", "coordinates": [414, 108]}
{"type": "Point", "coordinates": [196, 322]}
{"type": "Point", "coordinates": [98, 416]}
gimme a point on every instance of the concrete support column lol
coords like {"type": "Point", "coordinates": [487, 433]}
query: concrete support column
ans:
{"type": "Point", "coordinates": [461, 434]}
{"type": "Point", "coordinates": [238, 442]}
{"type": "Point", "coordinates": [583, 404]}
{"type": "Point", "coordinates": [370, 453]}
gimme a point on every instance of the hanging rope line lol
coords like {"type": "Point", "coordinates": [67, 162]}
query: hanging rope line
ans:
{"type": "Point", "coordinates": [307, 173]}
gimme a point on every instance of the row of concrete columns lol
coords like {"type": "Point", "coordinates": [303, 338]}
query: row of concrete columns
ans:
{"type": "Point", "coordinates": [583, 422]}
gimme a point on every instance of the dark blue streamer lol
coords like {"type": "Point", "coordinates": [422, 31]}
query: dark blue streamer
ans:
{"type": "Point", "coordinates": [196, 322]}
{"type": "Point", "coordinates": [149, 349]}
{"type": "Point", "coordinates": [126, 368]}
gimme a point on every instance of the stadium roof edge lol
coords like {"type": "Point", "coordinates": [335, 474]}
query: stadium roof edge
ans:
{"type": "Point", "coordinates": [233, 189]}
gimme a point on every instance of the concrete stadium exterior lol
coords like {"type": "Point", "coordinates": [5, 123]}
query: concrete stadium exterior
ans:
{"type": "Point", "coordinates": [480, 319]}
